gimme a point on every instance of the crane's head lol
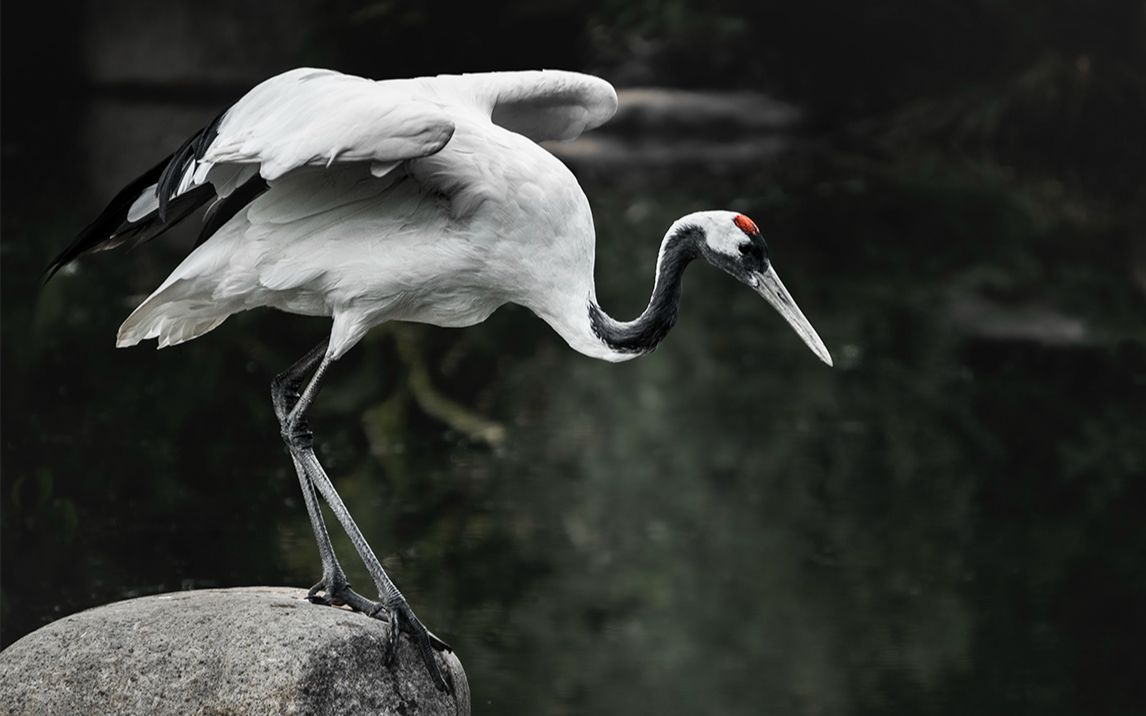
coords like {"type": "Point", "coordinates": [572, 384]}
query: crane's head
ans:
{"type": "Point", "coordinates": [733, 244]}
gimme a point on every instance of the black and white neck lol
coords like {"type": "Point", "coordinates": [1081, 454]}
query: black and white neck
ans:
{"type": "Point", "coordinates": [628, 339]}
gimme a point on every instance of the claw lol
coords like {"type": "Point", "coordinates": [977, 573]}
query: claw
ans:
{"type": "Point", "coordinates": [438, 643]}
{"type": "Point", "coordinates": [391, 649]}
{"type": "Point", "coordinates": [401, 619]}
{"type": "Point", "coordinates": [331, 596]}
{"type": "Point", "coordinates": [313, 597]}
{"type": "Point", "coordinates": [407, 622]}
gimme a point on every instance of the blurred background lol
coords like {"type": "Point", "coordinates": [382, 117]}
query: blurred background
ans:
{"type": "Point", "coordinates": [948, 522]}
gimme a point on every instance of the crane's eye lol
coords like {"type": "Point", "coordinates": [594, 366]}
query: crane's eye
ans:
{"type": "Point", "coordinates": [746, 249]}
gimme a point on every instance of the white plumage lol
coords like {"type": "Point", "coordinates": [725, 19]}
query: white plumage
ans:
{"type": "Point", "coordinates": [394, 200]}
{"type": "Point", "coordinates": [422, 200]}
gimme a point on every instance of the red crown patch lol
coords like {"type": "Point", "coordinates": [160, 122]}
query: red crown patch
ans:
{"type": "Point", "coordinates": [745, 224]}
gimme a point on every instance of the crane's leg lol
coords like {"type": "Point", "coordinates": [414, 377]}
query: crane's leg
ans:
{"type": "Point", "coordinates": [300, 441]}
{"type": "Point", "coordinates": [284, 394]}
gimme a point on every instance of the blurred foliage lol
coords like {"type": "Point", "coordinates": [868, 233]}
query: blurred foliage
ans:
{"type": "Point", "coordinates": [946, 523]}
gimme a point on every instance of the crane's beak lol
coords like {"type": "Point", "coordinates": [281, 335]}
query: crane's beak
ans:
{"type": "Point", "coordinates": [768, 285]}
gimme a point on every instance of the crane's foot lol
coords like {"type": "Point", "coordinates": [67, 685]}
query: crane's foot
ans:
{"type": "Point", "coordinates": [327, 591]}
{"type": "Point", "coordinates": [399, 615]}
{"type": "Point", "coordinates": [337, 593]}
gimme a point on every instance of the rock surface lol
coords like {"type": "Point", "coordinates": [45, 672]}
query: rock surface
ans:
{"type": "Point", "coordinates": [257, 650]}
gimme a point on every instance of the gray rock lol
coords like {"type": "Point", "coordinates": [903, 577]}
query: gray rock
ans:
{"type": "Point", "coordinates": [258, 650]}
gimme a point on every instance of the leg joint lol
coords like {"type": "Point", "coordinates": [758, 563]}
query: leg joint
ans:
{"type": "Point", "coordinates": [284, 395]}
{"type": "Point", "coordinates": [297, 434]}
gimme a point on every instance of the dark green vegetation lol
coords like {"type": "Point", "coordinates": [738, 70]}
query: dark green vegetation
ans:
{"type": "Point", "coordinates": [947, 523]}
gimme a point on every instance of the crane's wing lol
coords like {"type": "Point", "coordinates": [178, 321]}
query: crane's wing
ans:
{"type": "Point", "coordinates": [316, 117]}
{"type": "Point", "coordinates": [304, 117]}
{"type": "Point", "coordinates": [540, 104]}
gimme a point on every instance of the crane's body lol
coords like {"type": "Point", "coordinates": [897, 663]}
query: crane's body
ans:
{"type": "Point", "coordinates": [357, 247]}
{"type": "Point", "coordinates": [424, 200]}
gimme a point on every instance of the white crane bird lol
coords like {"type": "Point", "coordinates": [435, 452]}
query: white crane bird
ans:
{"type": "Point", "coordinates": [423, 200]}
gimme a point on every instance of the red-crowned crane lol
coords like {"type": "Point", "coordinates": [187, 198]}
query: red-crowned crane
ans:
{"type": "Point", "coordinates": [423, 200]}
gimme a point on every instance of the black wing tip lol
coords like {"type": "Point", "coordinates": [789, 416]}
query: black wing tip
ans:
{"type": "Point", "coordinates": [89, 239]}
{"type": "Point", "coordinates": [112, 222]}
{"type": "Point", "coordinates": [112, 228]}
{"type": "Point", "coordinates": [192, 150]}
{"type": "Point", "coordinates": [49, 271]}
{"type": "Point", "coordinates": [223, 210]}
{"type": "Point", "coordinates": [67, 256]}
{"type": "Point", "coordinates": [53, 268]}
